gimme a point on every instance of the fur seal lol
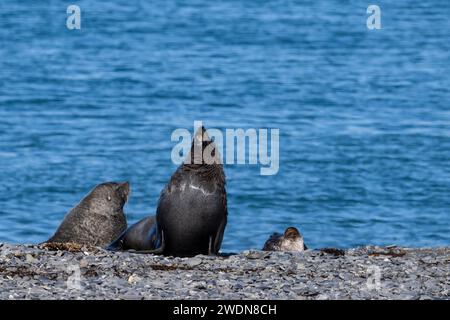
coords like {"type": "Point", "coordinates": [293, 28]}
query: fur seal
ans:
{"type": "Point", "coordinates": [192, 208]}
{"type": "Point", "coordinates": [291, 240]}
{"type": "Point", "coordinates": [140, 236]}
{"type": "Point", "coordinates": [98, 218]}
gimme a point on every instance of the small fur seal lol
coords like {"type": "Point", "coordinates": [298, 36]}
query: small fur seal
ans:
{"type": "Point", "coordinates": [140, 236]}
{"type": "Point", "coordinates": [292, 240]}
{"type": "Point", "coordinates": [192, 208]}
{"type": "Point", "coordinates": [98, 219]}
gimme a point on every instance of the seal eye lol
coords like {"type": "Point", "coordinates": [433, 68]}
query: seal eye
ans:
{"type": "Point", "coordinates": [109, 198]}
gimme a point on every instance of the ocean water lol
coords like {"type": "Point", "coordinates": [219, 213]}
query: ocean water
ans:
{"type": "Point", "coordinates": [364, 115]}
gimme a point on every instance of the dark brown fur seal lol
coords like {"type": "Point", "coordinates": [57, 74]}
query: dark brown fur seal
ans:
{"type": "Point", "coordinates": [192, 209]}
{"type": "Point", "coordinates": [98, 218]}
{"type": "Point", "coordinates": [291, 240]}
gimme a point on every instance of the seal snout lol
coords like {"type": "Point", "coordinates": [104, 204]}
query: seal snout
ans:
{"type": "Point", "coordinates": [124, 189]}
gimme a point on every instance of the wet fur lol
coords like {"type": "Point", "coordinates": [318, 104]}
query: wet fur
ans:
{"type": "Point", "coordinates": [192, 210]}
{"type": "Point", "coordinates": [97, 219]}
{"type": "Point", "coordinates": [280, 242]}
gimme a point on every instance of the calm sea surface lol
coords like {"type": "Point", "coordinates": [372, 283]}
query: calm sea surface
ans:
{"type": "Point", "coordinates": [364, 115]}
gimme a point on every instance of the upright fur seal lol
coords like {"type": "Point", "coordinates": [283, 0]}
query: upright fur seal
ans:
{"type": "Point", "coordinates": [192, 208]}
{"type": "Point", "coordinates": [292, 240]}
{"type": "Point", "coordinates": [98, 218]}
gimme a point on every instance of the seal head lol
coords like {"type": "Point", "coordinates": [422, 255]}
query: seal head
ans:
{"type": "Point", "coordinates": [291, 240]}
{"type": "Point", "coordinates": [98, 218]}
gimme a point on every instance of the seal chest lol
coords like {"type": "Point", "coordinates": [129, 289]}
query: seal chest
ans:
{"type": "Point", "coordinates": [98, 219]}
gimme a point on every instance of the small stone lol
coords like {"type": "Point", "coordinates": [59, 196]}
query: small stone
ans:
{"type": "Point", "coordinates": [30, 259]}
{"type": "Point", "coordinates": [251, 254]}
{"type": "Point", "coordinates": [192, 262]}
{"type": "Point", "coordinates": [133, 279]}
{"type": "Point", "coordinates": [83, 263]}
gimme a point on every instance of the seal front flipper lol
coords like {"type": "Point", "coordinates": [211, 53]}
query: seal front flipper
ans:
{"type": "Point", "coordinates": [211, 247]}
{"type": "Point", "coordinates": [117, 244]}
{"type": "Point", "coordinates": [158, 250]}
{"type": "Point", "coordinates": [216, 241]}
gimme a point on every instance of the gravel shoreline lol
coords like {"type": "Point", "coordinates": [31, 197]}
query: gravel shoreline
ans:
{"type": "Point", "coordinates": [36, 272]}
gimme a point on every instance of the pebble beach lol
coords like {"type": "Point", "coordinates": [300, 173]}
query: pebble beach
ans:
{"type": "Point", "coordinates": [79, 272]}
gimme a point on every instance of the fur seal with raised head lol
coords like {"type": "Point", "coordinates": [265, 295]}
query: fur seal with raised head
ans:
{"type": "Point", "coordinates": [192, 208]}
{"type": "Point", "coordinates": [291, 240]}
{"type": "Point", "coordinates": [98, 219]}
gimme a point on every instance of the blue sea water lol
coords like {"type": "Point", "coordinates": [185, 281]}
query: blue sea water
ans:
{"type": "Point", "coordinates": [364, 115]}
